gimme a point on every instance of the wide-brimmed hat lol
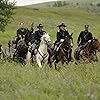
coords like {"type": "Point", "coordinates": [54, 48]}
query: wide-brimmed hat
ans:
{"type": "Point", "coordinates": [62, 24]}
{"type": "Point", "coordinates": [40, 25]}
{"type": "Point", "coordinates": [86, 26]}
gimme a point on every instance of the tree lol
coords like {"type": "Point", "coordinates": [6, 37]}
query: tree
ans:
{"type": "Point", "coordinates": [64, 3]}
{"type": "Point", "coordinates": [59, 3]}
{"type": "Point", "coordinates": [6, 12]}
{"type": "Point", "coordinates": [98, 5]}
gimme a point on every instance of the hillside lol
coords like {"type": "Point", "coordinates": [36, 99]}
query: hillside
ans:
{"type": "Point", "coordinates": [51, 17]}
{"type": "Point", "coordinates": [92, 5]}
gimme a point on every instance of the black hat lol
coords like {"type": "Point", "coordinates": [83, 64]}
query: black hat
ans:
{"type": "Point", "coordinates": [62, 24]}
{"type": "Point", "coordinates": [0, 45]}
{"type": "Point", "coordinates": [40, 25]}
{"type": "Point", "coordinates": [86, 26]}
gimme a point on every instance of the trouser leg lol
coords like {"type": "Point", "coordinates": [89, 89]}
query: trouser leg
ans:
{"type": "Point", "coordinates": [79, 50]}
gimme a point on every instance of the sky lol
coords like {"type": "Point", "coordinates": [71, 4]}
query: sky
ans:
{"type": "Point", "coordinates": [28, 2]}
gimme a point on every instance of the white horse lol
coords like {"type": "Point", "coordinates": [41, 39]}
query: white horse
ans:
{"type": "Point", "coordinates": [42, 52]}
{"type": "Point", "coordinates": [2, 54]}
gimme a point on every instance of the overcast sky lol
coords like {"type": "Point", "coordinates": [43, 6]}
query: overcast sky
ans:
{"type": "Point", "coordinates": [27, 2]}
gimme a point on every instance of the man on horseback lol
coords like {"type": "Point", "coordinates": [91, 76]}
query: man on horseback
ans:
{"type": "Point", "coordinates": [37, 37]}
{"type": "Point", "coordinates": [29, 36]}
{"type": "Point", "coordinates": [83, 39]}
{"type": "Point", "coordinates": [21, 32]}
{"type": "Point", "coordinates": [61, 35]}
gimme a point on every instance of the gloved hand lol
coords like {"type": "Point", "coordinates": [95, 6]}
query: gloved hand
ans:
{"type": "Point", "coordinates": [62, 40]}
{"type": "Point", "coordinates": [29, 43]}
{"type": "Point", "coordinates": [89, 41]}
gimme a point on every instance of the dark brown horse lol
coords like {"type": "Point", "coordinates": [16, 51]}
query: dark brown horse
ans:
{"type": "Point", "coordinates": [64, 52]}
{"type": "Point", "coordinates": [21, 51]}
{"type": "Point", "coordinates": [89, 52]}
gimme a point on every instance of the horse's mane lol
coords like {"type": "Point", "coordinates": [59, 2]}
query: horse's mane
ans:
{"type": "Point", "coordinates": [90, 47]}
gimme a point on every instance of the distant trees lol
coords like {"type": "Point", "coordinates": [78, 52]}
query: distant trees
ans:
{"type": "Point", "coordinates": [6, 12]}
{"type": "Point", "coordinates": [59, 4]}
{"type": "Point", "coordinates": [91, 4]}
{"type": "Point", "coordinates": [98, 5]}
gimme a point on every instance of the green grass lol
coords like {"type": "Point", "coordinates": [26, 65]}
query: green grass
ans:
{"type": "Point", "coordinates": [72, 82]}
{"type": "Point", "coordinates": [29, 83]}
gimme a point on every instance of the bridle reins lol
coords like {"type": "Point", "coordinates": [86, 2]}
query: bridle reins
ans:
{"type": "Point", "coordinates": [44, 55]}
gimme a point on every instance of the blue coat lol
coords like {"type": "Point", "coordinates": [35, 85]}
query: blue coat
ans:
{"type": "Point", "coordinates": [84, 36]}
{"type": "Point", "coordinates": [62, 35]}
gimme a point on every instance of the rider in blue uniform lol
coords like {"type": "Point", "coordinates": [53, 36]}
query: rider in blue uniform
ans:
{"type": "Point", "coordinates": [61, 35]}
{"type": "Point", "coordinates": [83, 39]}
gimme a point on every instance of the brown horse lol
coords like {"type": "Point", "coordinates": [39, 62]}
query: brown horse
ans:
{"type": "Point", "coordinates": [89, 52]}
{"type": "Point", "coordinates": [64, 52]}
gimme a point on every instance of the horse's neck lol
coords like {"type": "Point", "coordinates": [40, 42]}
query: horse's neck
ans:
{"type": "Point", "coordinates": [43, 47]}
{"type": "Point", "coordinates": [90, 47]}
{"type": "Point", "coordinates": [64, 45]}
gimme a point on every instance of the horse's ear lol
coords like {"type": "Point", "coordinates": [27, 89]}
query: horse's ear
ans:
{"type": "Point", "coordinates": [94, 38]}
{"type": "Point", "coordinates": [71, 34]}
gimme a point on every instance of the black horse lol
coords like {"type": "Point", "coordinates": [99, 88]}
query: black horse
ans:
{"type": "Point", "coordinates": [21, 51]}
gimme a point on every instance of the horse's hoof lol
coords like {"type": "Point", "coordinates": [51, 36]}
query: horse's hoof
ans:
{"type": "Point", "coordinates": [76, 63]}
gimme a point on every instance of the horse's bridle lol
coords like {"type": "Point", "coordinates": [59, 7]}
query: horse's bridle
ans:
{"type": "Point", "coordinates": [44, 56]}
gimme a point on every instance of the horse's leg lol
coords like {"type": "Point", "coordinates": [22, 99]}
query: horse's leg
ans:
{"type": "Point", "coordinates": [62, 60]}
{"type": "Point", "coordinates": [96, 58]}
{"type": "Point", "coordinates": [39, 63]}
{"type": "Point", "coordinates": [14, 55]}
{"type": "Point", "coordinates": [56, 63]}
{"type": "Point", "coordinates": [49, 62]}
{"type": "Point", "coordinates": [70, 55]}
{"type": "Point", "coordinates": [39, 60]}
{"type": "Point", "coordinates": [28, 57]}
{"type": "Point", "coordinates": [91, 58]}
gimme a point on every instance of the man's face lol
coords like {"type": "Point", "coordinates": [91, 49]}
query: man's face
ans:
{"type": "Point", "coordinates": [21, 25]}
{"type": "Point", "coordinates": [62, 28]}
{"type": "Point", "coordinates": [40, 28]}
{"type": "Point", "coordinates": [86, 28]}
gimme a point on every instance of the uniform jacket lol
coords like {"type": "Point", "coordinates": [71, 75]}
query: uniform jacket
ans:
{"type": "Point", "coordinates": [38, 35]}
{"type": "Point", "coordinates": [62, 34]}
{"type": "Point", "coordinates": [84, 36]}
{"type": "Point", "coordinates": [21, 31]}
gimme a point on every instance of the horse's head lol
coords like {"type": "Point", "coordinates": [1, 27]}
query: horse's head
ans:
{"type": "Point", "coordinates": [96, 44]}
{"type": "Point", "coordinates": [45, 38]}
{"type": "Point", "coordinates": [69, 41]}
